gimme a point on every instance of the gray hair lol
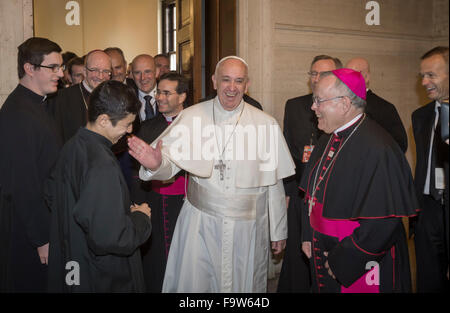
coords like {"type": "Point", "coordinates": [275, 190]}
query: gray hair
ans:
{"type": "Point", "coordinates": [358, 102]}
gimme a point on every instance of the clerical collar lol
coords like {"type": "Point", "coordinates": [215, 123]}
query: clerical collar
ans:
{"type": "Point", "coordinates": [86, 86]}
{"type": "Point", "coordinates": [30, 93]}
{"type": "Point", "coordinates": [227, 113]}
{"type": "Point", "coordinates": [170, 118]}
{"type": "Point", "coordinates": [349, 124]}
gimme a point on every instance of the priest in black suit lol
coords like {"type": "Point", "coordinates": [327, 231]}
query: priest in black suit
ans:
{"type": "Point", "coordinates": [301, 133]}
{"type": "Point", "coordinates": [432, 159]}
{"type": "Point", "coordinates": [31, 146]}
{"type": "Point", "coordinates": [382, 111]}
{"type": "Point", "coordinates": [165, 198]}
{"type": "Point", "coordinates": [69, 105]}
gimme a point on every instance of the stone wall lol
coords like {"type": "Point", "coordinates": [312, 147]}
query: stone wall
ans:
{"type": "Point", "coordinates": [279, 39]}
{"type": "Point", "coordinates": [16, 25]}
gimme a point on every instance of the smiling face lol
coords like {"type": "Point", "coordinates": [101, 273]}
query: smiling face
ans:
{"type": "Point", "coordinates": [330, 114]}
{"type": "Point", "coordinates": [144, 73]}
{"type": "Point", "coordinates": [231, 82]}
{"type": "Point", "coordinates": [45, 80]}
{"type": "Point", "coordinates": [122, 127]}
{"type": "Point", "coordinates": [434, 74]}
{"type": "Point", "coordinates": [170, 103]}
{"type": "Point", "coordinates": [97, 69]}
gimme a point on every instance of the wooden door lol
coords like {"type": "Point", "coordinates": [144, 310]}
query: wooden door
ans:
{"type": "Point", "coordinates": [189, 45]}
{"type": "Point", "coordinates": [220, 36]}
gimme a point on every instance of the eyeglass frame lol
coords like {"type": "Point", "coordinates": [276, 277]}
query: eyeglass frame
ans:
{"type": "Point", "coordinates": [54, 67]}
{"type": "Point", "coordinates": [97, 71]}
{"type": "Point", "coordinates": [164, 92]}
{"type": "Point", "coordinates": [314, 74]}
{"type": "Point", "coordinates": [318, 102]}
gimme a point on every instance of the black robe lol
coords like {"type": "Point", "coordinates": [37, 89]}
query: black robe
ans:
{"type": "Point", "coordinates": [165, 211]}
{"type": "Point", "coordinates": [68, 108]}
{"type": "Point", "coordinates": [300, 130]}
{"type": "Point", "coordinates": [386, 115]}
{"type": "Point", "coordinates": [91, 220]}
{"type": "Point", "coordinates": [370, 187]}
{"type": "Point", "coordinates": [31, 147]}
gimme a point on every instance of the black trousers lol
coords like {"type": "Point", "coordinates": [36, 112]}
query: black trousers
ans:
{"type": "Point", "coordinates": [431, 247]}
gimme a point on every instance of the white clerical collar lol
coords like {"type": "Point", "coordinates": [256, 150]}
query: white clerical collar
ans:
{"type": "Point", "coordinates": [169, 118]}
{"type": "Point", "coordinates": [226, 112]}
{"type": "Point", "coordinates": [353, 121]}
{"type": "Point", "coordinates": [85, 85]}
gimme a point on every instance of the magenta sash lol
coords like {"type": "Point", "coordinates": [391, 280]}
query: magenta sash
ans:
{"type": "Point", "coordinates": [340, 229]}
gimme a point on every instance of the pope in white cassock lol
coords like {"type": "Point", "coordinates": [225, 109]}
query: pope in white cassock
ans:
{"type": "Point", "coordinates": [236, 157]}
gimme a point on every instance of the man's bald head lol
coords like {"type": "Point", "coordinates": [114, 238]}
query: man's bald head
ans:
{"type": "Point", "coordinates": [360, 65]}
{"type": "Point", "coordinates": [143, 71]}
{"type": "Point", "coordinates": [97, 68]}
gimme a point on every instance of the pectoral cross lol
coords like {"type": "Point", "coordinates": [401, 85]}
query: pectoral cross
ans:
{"type": "Point", "coordinates": [221, 167]}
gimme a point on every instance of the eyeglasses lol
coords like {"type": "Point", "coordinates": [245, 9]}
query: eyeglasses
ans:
{"type": "Point", "coordinates": [54, 67]}
{"type": "Point", "coordinates": [98, 71]}
{"type": "Point", "coordinates": [314, 74]}
{"type": "Point", "coordinates": [164, 92]}
{"type": "Point", "coordinates": [318, 101]}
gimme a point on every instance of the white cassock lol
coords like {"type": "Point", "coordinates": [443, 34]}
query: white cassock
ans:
{"type": "Point", "coordinates": [221, 241]}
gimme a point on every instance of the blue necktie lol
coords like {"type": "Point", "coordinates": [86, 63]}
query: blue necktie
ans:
{"type": "Point", "coordinates": [149, 113]}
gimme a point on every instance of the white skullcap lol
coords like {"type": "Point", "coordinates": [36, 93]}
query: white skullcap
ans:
{"type": "Point", "coordinates": [231, 57]}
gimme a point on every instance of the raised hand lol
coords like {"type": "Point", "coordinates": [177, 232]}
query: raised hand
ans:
{"type": "Point", "coordinates": [148, 156]}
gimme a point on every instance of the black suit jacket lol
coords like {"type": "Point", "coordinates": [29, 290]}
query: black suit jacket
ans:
{"type": "Point", "coordinates": [386, 115]}
{"type": "Point", "coordinates": [422, 123]}
{"type": "Point", "coordinates": [300, 129]}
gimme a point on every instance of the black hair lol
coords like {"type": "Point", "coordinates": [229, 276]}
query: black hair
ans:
{"type": "Point", "coordinates": [114, 99]}
{"type": "Point", "coordinates": [33, 51]}
{"type": "Point", "coordinates": [67, 56]}
{"type": "Point", "coordinates": [183, 84]}
{"type": "Point", "coordinates": [72, 62]}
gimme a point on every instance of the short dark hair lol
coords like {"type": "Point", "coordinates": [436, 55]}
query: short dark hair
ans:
{"type": "Point", "coordinates": [114, 99]}
{"type": "Point", "coordinates": [440, 50]}
{"type": "Point", "coordinates": [33, 51]}
{"type": "Point", "coordinates": [183, 84]}
{"type": "Point", "coordinates": [74, 61]}
{"type": "Point", "coordinates": [162, 55]}
{"type": "Point", "coordinates": [336, 61]}
{"type": "Point", "coordinates": [67, 56]}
